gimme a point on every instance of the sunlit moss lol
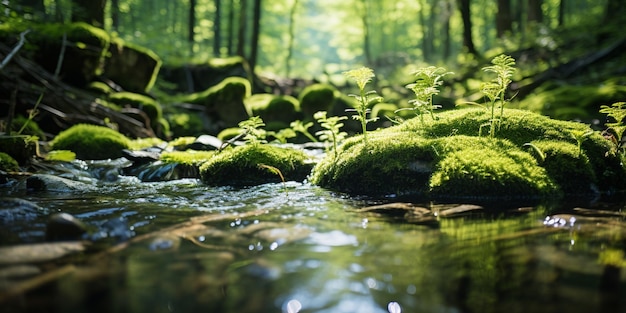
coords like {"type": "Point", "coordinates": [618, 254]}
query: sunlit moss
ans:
{"type": "Point", "coordinates": [91, 142]}
{"type": "Point", "coordinates": [445, 157]}
{"type": "Point", "coordinates": [242, 165]}
{"type": "Point", "coordinates": [281, 110]}
{"type": "Point", "coordinates": [142, 143]}
{"type": "Point", "coordinates": [188, 157]}
{"type": "Point", "coordinates": [7, 163]}
{"type": "Point", "coordinates": [316, 97]}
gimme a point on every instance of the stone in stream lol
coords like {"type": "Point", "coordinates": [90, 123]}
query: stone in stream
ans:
{"type": "Point", "coordinates": [64, 227]}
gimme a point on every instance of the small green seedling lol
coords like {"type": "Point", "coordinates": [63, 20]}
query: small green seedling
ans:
{"type": "Point", "coordinates": [427, 82]}
{"type": "Point", "coordinates": [617, 112]}
{"type": "Point", "coordinates": [504, 67]}
{"type": "Point", "coordinates": [252, 131]}
{"type": "Point", "coordinates": [580, 136]}
{"type": "Point", "coordinates": [300, 127]}
{"type": "Point", "coordinates": [362, 76]}
{"type": "Point", "coordinates": [332, 129]}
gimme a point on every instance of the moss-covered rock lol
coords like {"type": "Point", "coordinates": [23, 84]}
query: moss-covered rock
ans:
{"type": "Point", "coordinates": [224, 102]}
{"type": "Point", "coordinates": [201, 76]}
{"type": "Point", "coordinates": [151, 107]}
{"type": "Point", "coordinates": [21, 148]}
{"type": "Point", "coordinates": [91, 142]}
{"type": "Point", "coordinates": [133, 67]}
{"type": "Point", "coordinates": [185, 124]}
{"type": "Point", "coordinates": [254, 164]}
{"type": "Point", "coordinates": [7, 163]}
{"type": "Point", "coordinates": [84, 52]}
{"type": "Point", "coordinates": [274, 110]}
{"type": "Point", "coordinates": [316, 97]}
{"type": "Point", "coordinates": [446, 158]}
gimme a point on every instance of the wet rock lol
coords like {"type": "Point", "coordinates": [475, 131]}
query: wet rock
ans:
{"type": "Point", "coordinates": [36, 253]}
{"type": "Point", "coordinates": [206, 143]}
{"type": "Point", "coordinates": [14, 210]}
{"type": "Point", "coordinates": [64, 227]}
{"type": "Point", "coordinates": [45, 182]}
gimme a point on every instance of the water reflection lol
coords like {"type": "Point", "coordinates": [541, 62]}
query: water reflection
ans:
{"type": "Point", "coordinates": [308, 250]}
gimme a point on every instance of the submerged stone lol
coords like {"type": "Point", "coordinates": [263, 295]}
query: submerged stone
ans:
{"type": "Point", "coordinates": [255, 164]}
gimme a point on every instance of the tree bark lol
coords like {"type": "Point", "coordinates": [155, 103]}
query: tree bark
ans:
{"type": "Point", "coordinates": [535, 14]}
{"type": "Point", "coordinates": [241, 35]}
{"type": "Point", "coordinates": [88, 11]}
{"type": "Point", "coordinates": [366, 33]}
{"type": "Point", "coordinates": [468, 42]}
{"type": "Point", "coordinates": [256, 29]}
{"type": "Point", "coordinates": [192, 23]}
{"type": "Point", "coordinates": [503, 18]}
{"type": "Point", "coordinates": [615, 11]}
{"type": "Point", "coordinates": [217, 28]}
{"type": "Point", "coordinates": [115, 14]}
{"type": "Point", "coordinates": [231, 27]}
{"type": "Point", "coordinates": [292, 22]}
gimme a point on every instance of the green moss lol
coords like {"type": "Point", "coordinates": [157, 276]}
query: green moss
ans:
{"type": "Point", "coordinates": [272, 108]}
{"type": "Point", "coordinates": [148, 105]}
{"type": "Point", "coordinates": [91, 142]}
{"type": "Point", "coordinates": [143, 143]}
{"type": "Point", "coordinates": [226, 62]}
{"type": "Point", "coordinates": [242, 165]}
{"type": "Point", "coordinates": [445, 157]}
{"type": "Point", "coordinates": [185, 124]}
{"type": "Point", "coordinates": [316, 97]}
{"type": "Point", "coordinates": [571, 171]}
{"type": "Point", "coordinates": [490, 169]}
{"type": "Point", "coordinates": [224, 101]}
{"type": "Point", "coordinates": [21, 147]}
{"type": "Point", "coordinates": [7, 163]}
{"type": "Point", "coordinates": [132, 66]}
{"type": "Point", "coordinates": [31, 128]}
{"type": "Point", "coordinates": [189, 157]}
{"type": "Point", "coordinates": [100, 88]}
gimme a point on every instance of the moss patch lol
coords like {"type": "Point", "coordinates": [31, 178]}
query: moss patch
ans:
{"type": "Point", "coordinates": [280, 110]}
{"type": "Point", "coordinates": [91, 142]}
{"type": "Point", "coordinates": [244, 165]}
{"type": "Point", "coordinates": [316, 97]}
{"type": "Point", "coordinates": [446, 158]}
{"type": "Point", "coordinates": [7, 163]}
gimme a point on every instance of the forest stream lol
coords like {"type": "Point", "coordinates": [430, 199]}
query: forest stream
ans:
{"type": "Point", "coordinates": [183, 246]}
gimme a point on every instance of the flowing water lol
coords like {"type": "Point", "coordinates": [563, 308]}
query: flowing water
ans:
{"type": "Point", "coordinates": [294, 247]}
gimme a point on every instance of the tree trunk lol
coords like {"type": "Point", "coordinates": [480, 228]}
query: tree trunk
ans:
{"type": "Point", "coordinates": [366, 33]}
{"type": "Point", "coordinates": [256, 29]}
{"type": "Point", "coordinates": [89, 11]}
{"type": "Point", "coordinates": [468, 42]}
{"type": "Point", "coordinates": [115, 14]}
{"type": "Point", "coordinates": [292, 36]}
{"type": "Point", "coordinates": [504, 21]}
{"type": "Point", "coordinates": [34, 7]}
{"type": "Point", "coordinates": [426, 41]}
{"type": "Point", "coordinates": [217, 28]}
{"type": "Point", "coordinates": [445, 32]}
{"type": "Point", "coordinates": [615, 11]}
{"type": "Point", "coordinates": [535, 14]}
{"type": "Point", "coordinates": [192, 23]}
{"type": "Point", "coordinates": [241, 37]}
{"type": "Point", "coordinates": [231, 27]}
{"type": "Point", "coordinates": [561, 12]}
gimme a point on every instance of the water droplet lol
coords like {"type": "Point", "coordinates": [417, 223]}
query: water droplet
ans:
{"type": "Point", "coordinates": [293, 306]}
{"type": "Point", "coordinates": [394, 307]}
{"type": "Point", "coordinates": [274, 246]}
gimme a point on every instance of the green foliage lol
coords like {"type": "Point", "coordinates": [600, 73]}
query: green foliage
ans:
{"type": "Point", "coordinates": [91, 142]}
{"type": "Point", "coordinates": [8, 163]}
{"type": "Point", "coordinates": [495, 90]}
{"type": "Point", "coordinates": [362, 76]}
{"type": "Point", "coordinates": [303, 128]}
{"type": "Point", "coordinates": [188, 157]}
{"type": "Point", "coordinates": [61, 155]}
{"type": "Point", "coordinates": [617, 112]}
{"type": "Point", "coordinates": [427, 83]}
{"type": "Point", "coordinates": [252, 132]}
{"type": "Point", "coordinates": [331, 132]}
